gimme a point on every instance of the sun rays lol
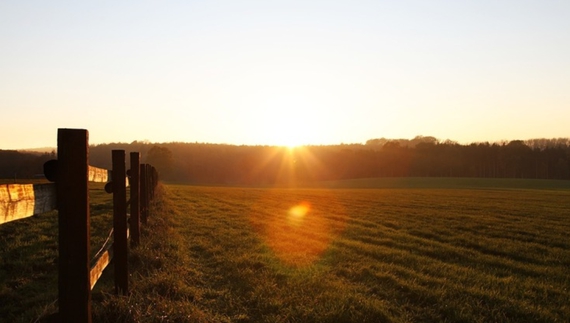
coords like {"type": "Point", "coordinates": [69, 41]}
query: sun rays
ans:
{"type": "Point", "coordinates": [296, 230]}
{"type": "Point", "coordinates": [294, 166]}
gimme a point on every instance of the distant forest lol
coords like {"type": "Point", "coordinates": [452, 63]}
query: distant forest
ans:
{"type": "Point", "coordinates": [423, 156]}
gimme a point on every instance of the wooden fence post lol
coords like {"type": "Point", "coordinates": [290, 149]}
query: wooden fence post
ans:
{"type": "Point", "coordinates": [135, 200]}
{"type": "Point", "coordinates": [150, 182]}
{"type": "Point", "coordinates": [120, 249]}
{"type": "Point", "coordinates": [154, 181]}
{"type": "Point", "coordinates": [73, 217]}
{"type": "Point", "coordinates": [144, 193]}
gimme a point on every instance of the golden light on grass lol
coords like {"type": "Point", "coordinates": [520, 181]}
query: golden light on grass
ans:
{"type": "Point", "coordinates": [298, 237]}
{"type": "Point", "coordinates": [298, 212]}
{"type": "Point", "coordinates": [297, 230]}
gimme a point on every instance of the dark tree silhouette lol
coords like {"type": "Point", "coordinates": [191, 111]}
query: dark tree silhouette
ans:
{"type": "Point", "coordinates": [266, 165]}
{"type": "Point", "coordinates": [162, 159]}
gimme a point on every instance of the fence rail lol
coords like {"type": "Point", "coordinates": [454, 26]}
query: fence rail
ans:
{"type": "Point", "coordinates": [19, 201]}
{"type": "Point", "coordinates": [98, 175]}
{"type": "Point", "coordinates": [69, 194]}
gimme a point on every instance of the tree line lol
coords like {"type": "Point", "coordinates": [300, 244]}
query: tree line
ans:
{"type": "Point", "coordinates": [23, 165]}
{"type": "Point", "coordinates": [202, 163]}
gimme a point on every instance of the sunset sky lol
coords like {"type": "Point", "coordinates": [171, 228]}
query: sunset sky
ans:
{"type": "Point", "coordinates": [284, 72]}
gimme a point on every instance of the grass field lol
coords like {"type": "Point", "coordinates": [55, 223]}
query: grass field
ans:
{"type": "Point", "coordinates": [405, 254]}
{"type": "Point", "coordinates": [28, 259]}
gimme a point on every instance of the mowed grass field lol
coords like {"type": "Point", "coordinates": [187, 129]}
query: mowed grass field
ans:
{"type": "Point", "coordinates": [406, 254]}
{"type": "Point", "coordinates": [365, 255]}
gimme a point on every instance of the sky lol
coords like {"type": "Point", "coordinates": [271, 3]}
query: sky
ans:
{"type": "Point", "coordinates": [283, 72]}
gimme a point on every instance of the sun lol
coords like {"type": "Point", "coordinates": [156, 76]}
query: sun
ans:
{"type": "Point", "coordinates": [289, 140]}
{"type": "Point", "coordinates": [291, 122]}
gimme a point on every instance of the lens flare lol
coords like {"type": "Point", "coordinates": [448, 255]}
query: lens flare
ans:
{"type": "Point", "coordinates": [298, 212]}
{"type": "Point", "coordinates": [297, 225]}
{"type": "Point", "coordinates": [298, 233]}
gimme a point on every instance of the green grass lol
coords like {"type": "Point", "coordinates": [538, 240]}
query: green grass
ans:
{"type": "Point", "coordinates": [378, 255]}
{"type": "Point", "coordinates": [28, 259]}
{"type": "Point", "coordinates": [405, 254]}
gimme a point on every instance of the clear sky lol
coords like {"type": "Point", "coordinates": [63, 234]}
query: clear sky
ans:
{"type": "Point", "coordinates": [284, 72]}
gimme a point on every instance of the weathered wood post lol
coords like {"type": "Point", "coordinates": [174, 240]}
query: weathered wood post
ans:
{"type": "Point", "coordinates": [135, 200]}
{"type": "Point", "coordinates": [144, 193]}
{"type": "Point", "coordinates": [154, 181]}
{"type": "Point", "coordinates": [73, 208]}
{"type": "Point", "coordinates": [149, 181]}
{"type": "Point", "coordinates": [120, 248]}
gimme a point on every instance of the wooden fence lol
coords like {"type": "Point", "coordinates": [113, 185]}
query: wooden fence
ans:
{"type": "Point", "coordinates": [70, 196]}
